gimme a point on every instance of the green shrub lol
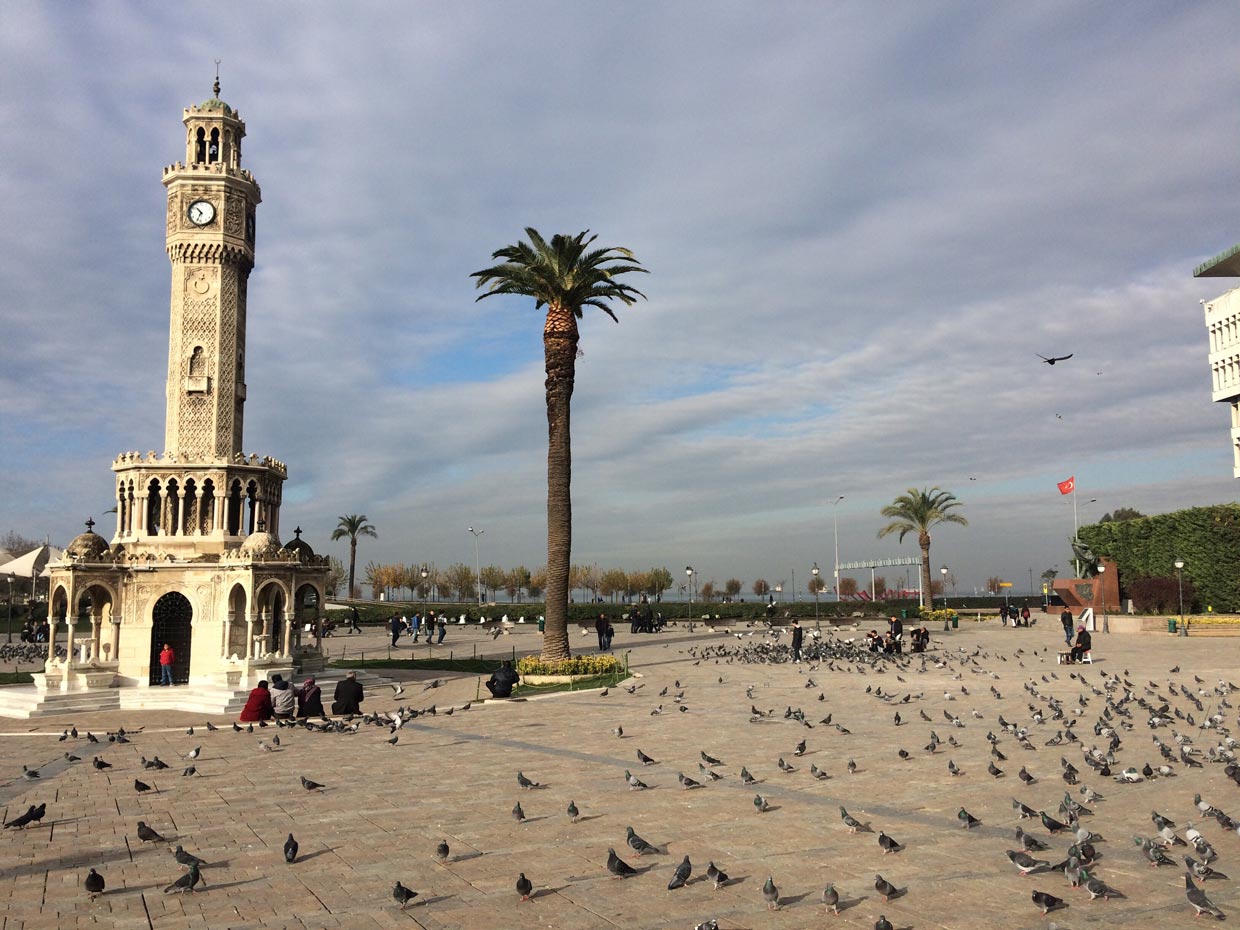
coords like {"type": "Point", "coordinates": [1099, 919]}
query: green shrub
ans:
{"type": "Point", "coordinates": [577, 665]}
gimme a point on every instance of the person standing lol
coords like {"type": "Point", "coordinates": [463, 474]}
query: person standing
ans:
{"type": "Point", "coordinates": [415, 625]}
{"type": "Point", "coordinates": [166, 658]}
{"type": "Point", "coordinates": [1066, 619]}
{"type": "Point", "coordinates": [442, 623]}
{"type": "Point", "coordinates": [396, 626]}
{"type": "Point", "coordinates": [1024, 615]}
{"type": "Point", "coordinates": [798, 637]}
{"type": "Point", "coordinates": [353, 618]}
{"type": "Point", "coordinates": [600, 628]}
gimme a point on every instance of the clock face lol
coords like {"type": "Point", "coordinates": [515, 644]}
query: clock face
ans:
{"type": "Point", "coordinates": [201, 212]}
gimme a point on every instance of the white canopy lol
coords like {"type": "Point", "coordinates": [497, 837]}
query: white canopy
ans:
{"type": "Point", "coordinates": [33, 564]}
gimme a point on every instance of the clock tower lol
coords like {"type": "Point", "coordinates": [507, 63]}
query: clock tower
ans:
{"type": "Point", "coordinates": [210, 241]}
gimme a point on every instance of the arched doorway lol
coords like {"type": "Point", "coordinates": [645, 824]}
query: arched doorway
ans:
{"type": "Point", "coordinates": [172, 615]}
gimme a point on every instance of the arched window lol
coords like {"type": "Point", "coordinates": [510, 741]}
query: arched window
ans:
{"type": "Point", "coordinates": [197, 363]}
{"type": "Point", "coordinates": [213, 150]}
{"type": "Point", "coordinates": [234, 509]}
{"type": "Point", "coordinates": [200, 146]}
{"type": "Point", "coordinates": [152, 508]}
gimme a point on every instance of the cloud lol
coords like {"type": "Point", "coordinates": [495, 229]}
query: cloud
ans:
{"type": "Point", "coordinates": [861, 230]}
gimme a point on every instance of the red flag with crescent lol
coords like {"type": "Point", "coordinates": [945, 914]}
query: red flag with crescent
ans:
{"type": "Point", "coordinates": [1067, 487]}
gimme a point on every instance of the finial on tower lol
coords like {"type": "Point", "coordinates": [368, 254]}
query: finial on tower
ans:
{"type": "Point", "coordinates": [216, 87]}
{"type": "Point", "coordinates": [90, 524]}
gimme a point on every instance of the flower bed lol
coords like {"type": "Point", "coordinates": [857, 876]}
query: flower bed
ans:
{"type": "Point", "coordinates": [576, 666]}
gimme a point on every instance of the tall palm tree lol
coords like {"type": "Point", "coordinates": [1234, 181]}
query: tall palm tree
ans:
{"type": "Point", "coordinates": [915, 512]}
{"type": "Point", "coordinates": [353, 525]}
{"type": "Point", "coordinates": [565, 276]}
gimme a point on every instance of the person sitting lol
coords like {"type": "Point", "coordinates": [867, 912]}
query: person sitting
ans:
{"type": "Point", "coordinates": [872, 641]}
{"type": "Point", "coordinates": [502, 681]}
{"type": "Point", "coordinates": [919, 637]}
{"type": "Point", "coordinates": [1081, 646]}
{"type": "Point", "coordinates": [348, 696]}
{"type": "Point", "coordinates": [309, 699]}
{"type": "Point", "coordinates": [283, 698]}
{"type": "Point", "coordinates": [257, 705]}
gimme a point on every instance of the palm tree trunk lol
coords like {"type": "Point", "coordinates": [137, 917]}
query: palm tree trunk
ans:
{"type": "Point", "coordinates": [923, 540]}
{"type": "Point", "coordinates": [352, 563]}
{"type": "Point", "coordinates": [560, 355]}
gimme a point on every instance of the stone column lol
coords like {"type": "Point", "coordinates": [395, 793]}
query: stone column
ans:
{"type": "Point", "coordinates": [228, 622]}
{"type": "Point", "coordinates": [96, 633]}
{"type": "Point", "coordinates": [249, 634]}
{"type": "Point", "coordinates": [288, 627]}
{"type": "Point", "coordinates": [120, 512]}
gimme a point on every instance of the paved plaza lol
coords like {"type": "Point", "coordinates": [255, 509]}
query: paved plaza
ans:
{"type": "Point", "coordinates": [385, 808]}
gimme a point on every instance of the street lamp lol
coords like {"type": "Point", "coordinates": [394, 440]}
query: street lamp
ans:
{"type": "Point", "coordinates": [10, 605]}
{"type": "Point", "coordinates": [943, 572]}
{"type": "Point", "coordinates": [1179, 577]}
{"type": "Point", "coordinates": [1106, 621]}
{"type": "Point", "coordinates": [814, 572]}
{"type": "Point", "coordinates": [835, 522]}
{"type": "Point", "coordinates": [477, 565]}
{"type": "Point", "coordinates": [425, 572]}
{"type": "Point", "coordinates": [779, 589]}
{"type": "Point", "coordinates": [689, 588]}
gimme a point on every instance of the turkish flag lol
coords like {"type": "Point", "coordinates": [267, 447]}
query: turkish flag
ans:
{"type": "Point", "coordinates": [1067, 487]}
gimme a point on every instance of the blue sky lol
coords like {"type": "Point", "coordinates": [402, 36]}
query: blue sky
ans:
{"type": "Point", "coordinates": [861, 227]}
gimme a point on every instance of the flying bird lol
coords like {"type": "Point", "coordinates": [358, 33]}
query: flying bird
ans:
{"type": "Point", "coordinates": [1053, 359]}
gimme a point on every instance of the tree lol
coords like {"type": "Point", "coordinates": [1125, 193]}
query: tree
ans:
{"type": "Point", "coordinates": [493, 578]}
{"type": "Point", "coordinates": [1049, 575]}
{"type": "Point", "coordinates": [612, 582]}
{"type": "Point", "coordinates": [761, 588]}
{"type": "Point", "coordinates": [816, 585]}
{"type": "Point", "coordinates": [459, 580]}
{"type": "Point", "coordinates": [516, 581]}
{"type": "Point", "coordinates": [537, 583]}
{"type": "Point", "coordinates": [335, 576]}
{"type": "Point", "coordinates": [707, 591]}
{"type": "Point", "coordinates": [16, 544]}
{"type": "Point", "coordinates": [916, 512]}
{"type": "Point", "coordinates": [1121, 514]}
{"type": "Point", "coordinates": [660, 580]}
{"type": "Point", "coordinates": [848, 587]}
{"type": "Point", "coordinates": [994, 584]}
{"type": "Point", "coordinates": [353, 525]}
{"type": "Point", "coordinates": [732, 587]}
{"type": "Point", "coordinates": [880, 586]}
{"type": "Point", "coordinates": [565, 276]}
{"type": "Point", "coordinates": [638, 582]}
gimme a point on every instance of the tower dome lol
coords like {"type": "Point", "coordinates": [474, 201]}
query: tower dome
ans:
{"type": "Point", "coordinates": [89, 545]}
{"type": "Point", "coordinates": [300, 546]}
{"type": "Point", "coordinates": [261, 545]}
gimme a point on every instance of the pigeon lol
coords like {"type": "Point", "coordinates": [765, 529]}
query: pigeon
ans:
{"type": "Point", "coordinates": [572, 811]}
{"type": "Point", "coordinates": [194, 753]}
{"type": "Point", "coordinates": [760, 805]}
{"type": "Point", "coordinates": [211, 727]}
{"type": "Point", "coordinates": [290, 849]}
{"type": "Point", "coordinates": [709, 760]}
{"type": "Point", "coordinates": [709, 774]}
{"type": "Point", "coordinates": [953, 769]}
{"type": "Point", "coordinates": [617, 866]}
{"type": "Point", "coordinates": [849, 820]}
{"type": "Point", "coordinates": [526, 783]}
{"type": "Point", "coordinates": [1051, 361]}
{"type": "Point", "coordinates": [442, 851]}
{"type": "Point", "coordinates": [22, 820]}
{"type": "Point", "coordinates": [884, 888]}
{"type": "Point", "coordinates": [831, 898]}
{"type": "Point", "coordinates": [800, 749]}
{"type": "Point", "coordinates": [147, 835]}
{"type": "Point", "coordinates": [770, 894]}
{"type": "Point", "coordinates": [397, 690]}
{"type": "Point", "coordinates": [1030, 842]}
{"type": "Point", "coordinates": [708, 924]}
{"type": "Point", "coordinates": [1096, 887]}
{"type": "Point", "coordinates": [635, 783]}
{"type": "Point", "coordinates": [1197, 898]}
{"type": "Point", "coordinates": [392, 741]}
{"type": "Point", "coordinates": [1024, 776]}
{"type": "Point", "coordinates": [70, 757]}
{"type": "Point", "coordinates": [186, 858]}
{"type": "Point", "coordinates": [1026, 812]}
{"type": "Point", "coordinates": [1052, 825]}
{"type": "Point", "coordinates": [888, 844]}
{"type": "Point", "coordinates": [746, 778]}
{"type": "Point", "coordinates": [1047, 901]}
{"type": "Point", "coordinates": [30, 773]}
{"type": "Point", "coordinates": [525, 887]}
{"type": "Point", "coordinates": [967, 820]}
{"type": "Point", "coordinates": [517, 814]}
{"type": "Point", "coordinates": [1025, 862]}
{"type": "Point", "coordinates": [402, 895]}
{"type": "Point", "coordinates": [994, 770]}
{"type": "Point", "coordinates": [189, 770]}
{"type": "Point", "coordinates": [852, 766]}
{"type": "Point", "coordinates": [1200, 869]}
{"type": "Point", "coordinates": [94, 884]}
{"type": "Point", "coordinates": [310, 785]}
{"type": "Point", "coordinates": [637, 844]}
{"type": "Point", "coordinates": [716, 875]}
{"type": "Point", "coordinates": [681, 876]}
{"type": "Point", "coordinates": [645, 759]}
{"type": "Point", "coordinates": [188, 881]}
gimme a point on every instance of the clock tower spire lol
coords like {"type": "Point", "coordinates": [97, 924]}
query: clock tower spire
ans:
{"type": "Point", "coordinates": [210, 242]}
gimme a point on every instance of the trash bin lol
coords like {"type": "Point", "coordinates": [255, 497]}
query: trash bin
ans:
{"type": "Point", "coordinates": [955, 622]}
{"type": "Point", "coordinates": [1171, 624]}
{"type": "Point", "coordinates": [903, 613]}
{"type": "Point", "coordinates": [542, 624]}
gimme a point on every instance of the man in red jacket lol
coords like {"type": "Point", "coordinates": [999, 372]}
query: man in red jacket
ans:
{"type": "Point", "coordinates": [166, 658]}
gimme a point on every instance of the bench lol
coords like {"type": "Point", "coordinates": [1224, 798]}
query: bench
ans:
{"type": "Point", "coordinates": [1065, 658]}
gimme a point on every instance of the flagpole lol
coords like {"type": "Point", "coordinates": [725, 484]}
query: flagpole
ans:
{"type": "Point", "coordinates": [1076, 529]}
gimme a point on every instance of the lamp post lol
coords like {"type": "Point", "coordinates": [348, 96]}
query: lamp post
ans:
{"type": "Point", "coordinates": [689, 588]}
{"type": "Point", "coordinates": [1106, 621]}
{"type": "Point", "coordinates": [9, 578]}
{"type": "Point", "coordinates": [835, 523]}
{"type": "Point", "coordinates": [943, 572]}
{"type": "Point", "coordinates": [814, 571]}
{"type": "Point", "coordinates": [477, 565]}
{"type": "Point", "coordinates": [1179, 577]}
{"type": "Point", "coordinates": [779, 589]}
{"type": "Point", "coordinates": [425, 572]}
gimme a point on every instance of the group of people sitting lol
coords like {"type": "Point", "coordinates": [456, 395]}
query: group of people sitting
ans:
{"type": "Point", "coordinates": [892, 643]}
{"type": "Point", "coordinates": [282, 700]}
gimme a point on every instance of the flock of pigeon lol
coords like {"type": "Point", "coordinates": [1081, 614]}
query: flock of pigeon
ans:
{"type": "Point", "coordinates": [1102, 727]}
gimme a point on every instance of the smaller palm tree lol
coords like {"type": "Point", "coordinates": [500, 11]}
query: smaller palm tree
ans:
{"type": "Point", "coordinates": [917, 511]}
{"type": "Point", "coordinates": [353, 525]}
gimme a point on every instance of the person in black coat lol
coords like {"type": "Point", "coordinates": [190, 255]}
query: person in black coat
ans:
{"type": "Point", "coordinates": [348, 696]}
{"type": "Point", "coordinates": [503, 680]}
{"type": "Point", "coordinates": [798, 636]}
{"type": "Point", "coordinates": [1084, 642]}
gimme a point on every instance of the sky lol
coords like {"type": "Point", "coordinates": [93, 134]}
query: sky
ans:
{"type": "Point", "coordinates": [862, 225]}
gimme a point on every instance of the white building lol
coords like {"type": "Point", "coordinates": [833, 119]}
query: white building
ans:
{"type": "Point", "coordinates": [1223, 322]}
